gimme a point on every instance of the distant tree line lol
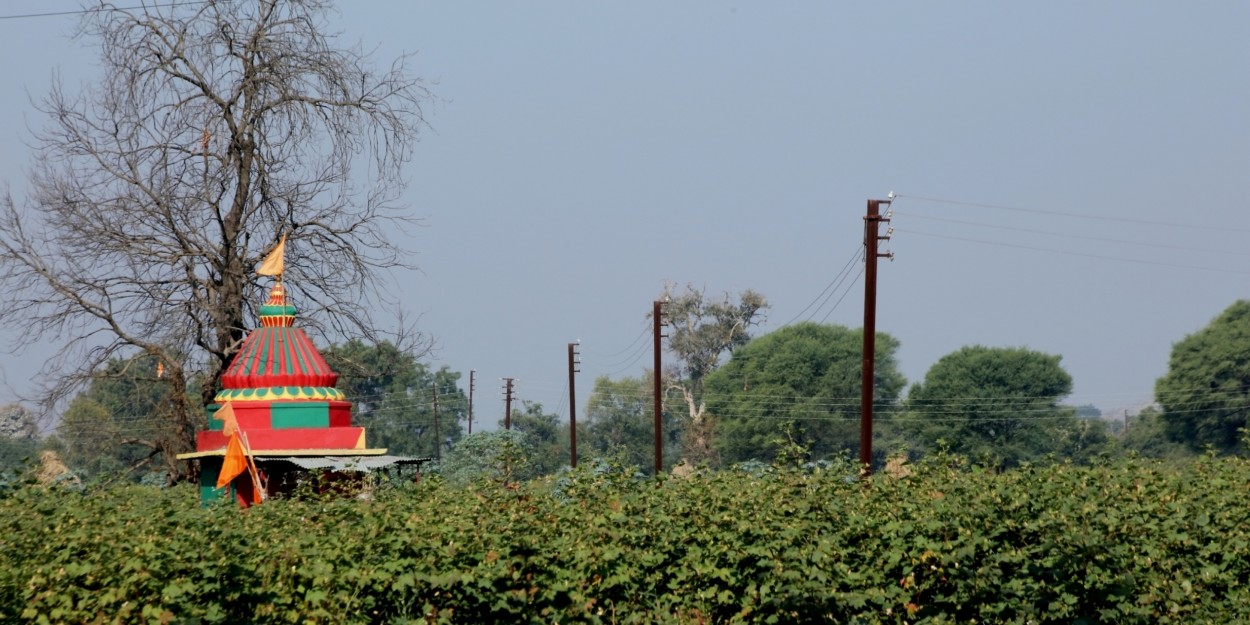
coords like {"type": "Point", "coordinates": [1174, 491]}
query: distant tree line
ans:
{"type": "Point", "coordinates": [759, 399]}
{"type": "Point", "coordinates": [793, 390]}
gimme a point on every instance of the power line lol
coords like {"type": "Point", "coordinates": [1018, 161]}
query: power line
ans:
{"type": "Point", "coordinates": [1039, 211]}
{"type": "Point", "coordinates": [897, 415]}
{"type": "Point", "coordinates": [100, 9]}
{"type": "Point", "coordinates": [564, 397]}
{"type": "Point", "coordinates": [638, 355]}
{"type": "Point", "coordinates": [833, 409]}
{"type": "Point", "coordinates": [1070, 236]}
{"type": "Point", "coordinates": [829, 286]}
{"type": "Point", "coordinates": [853, 282]}
{"type": "Point", "coordinates": [644, 332]}
{"type": "Point", "coordinates": [423, 400]}
{"type": "Point", "coordinates": [1067, 253]}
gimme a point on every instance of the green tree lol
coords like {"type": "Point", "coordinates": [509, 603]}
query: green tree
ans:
{"type": "Point", "coordinates": [701, 331]}
{"type": "Point", "coordinates": [121, 424]}
{"type": "Point", "coordinates": [807, 376]}
{"type": "Point", "coordinates": [620, 423]}
{"type": "Point", "coordinates": [393, 393]}
{"type": "Point", "coordinates": [993, 404]}
{"type": "Point", "coordinates": [546, 437]}
{"type": "Point", "coordinates": [1147, 435]}
{"type": "Point", "coordinates": [503, 456]}
{"type": "Point", "coordinates": [1205, 395]}
{"type": "Point", "coordinates": [1088, 411]}
{"type": "Point", "coordinates": [1083, 439]}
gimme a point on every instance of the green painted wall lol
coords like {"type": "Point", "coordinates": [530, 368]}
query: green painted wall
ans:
{"type": "Point", "coordinates": [210, 468]}
{"type": "Point", "coordinates": [305, 414]}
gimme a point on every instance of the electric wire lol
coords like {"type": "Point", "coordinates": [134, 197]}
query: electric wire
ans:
{"type": "Point", "coordinates": [1071, 236]}
{"type": "Point", "coordinates": [846, 267]}
{"type": "Point", "coordinates": [646, 327]}
{"type": "Point", "coordinates": [99, 9]}
{"type": "Point", "coordinates": [1077, 254]}
{"type": "Point", "coordinates": [641, 352]}
{"type": "Point", "coordinates": [563, 403]}
{"type": "Point", "coordinates": [641, 348]}
{"type": "Point", "coordinates": [788, 403]}
{"type": "Point", "coordinates": [844, 293]}
{"type": "Point", "coordinates": [1148, 222]}
{"type": "Point", "coordinates": [894, 415]}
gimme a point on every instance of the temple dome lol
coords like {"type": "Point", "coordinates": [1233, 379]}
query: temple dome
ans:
{"type": "Point", "coordinates": [277, 360]}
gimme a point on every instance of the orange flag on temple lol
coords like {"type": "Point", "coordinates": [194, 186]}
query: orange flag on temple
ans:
{"type": "Point", "coordinates": [230, 425]}
{"type": "Point", "coordinates": [235, 462]}
{"type": "Point", "coordinates": [274, 263]}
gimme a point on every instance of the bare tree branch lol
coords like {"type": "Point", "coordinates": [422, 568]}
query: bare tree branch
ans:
{"type": "Point", "coordinates": [215, 128]}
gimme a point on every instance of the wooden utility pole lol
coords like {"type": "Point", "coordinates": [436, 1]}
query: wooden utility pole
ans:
{"type": "Point", "coordinates": [472, 385]}
{"type": "Point", "coordinates": [872, 237]}
{"type": "Point", "coordinates": [657, 322]}
{"type": "Point", "coordinates": [573, 362]}
{"type": "Point", "coordinates": [438, 439]}
{"type": "Point", "coordinates": [507, 404]}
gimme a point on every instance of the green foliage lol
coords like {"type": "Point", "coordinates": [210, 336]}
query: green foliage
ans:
{"type": "Point", "coordinates": [1132, 542]}
{"type": "Point", "coordinates": [1081, 440]}
{"type": "Point", "coordinates": [503, 456]}
{"type": "Point", "coordinates": [806, 373]}
{"type": "Point", "coordinates": [1205, 394]}
{"type": "Point", "coordinates": [118, 426]}
{"type": "Point", "coordinates": [17, 454]}
{"type": "Point", "coordinates": [1147, 436]}
{"type": "Point", "coordinates": [1088, 411]}
{"type": "Point", "coordinates": [789, 449]}
{"type": "Point", "coordinates": [545, 436]}
{"type": "Point", "coordinates": [17, 464]}
{"type": "Point", "coordinates": [999, 405]}
{"type": "Point", "coordinates": [615, 472]}
{"type": "Point", "coordinates": [392, 396]}
{"type": "Point", "coordinates": [621, 423]}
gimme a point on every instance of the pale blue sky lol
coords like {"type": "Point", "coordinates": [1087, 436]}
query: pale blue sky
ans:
{"type": "Point", "coordinates": [581, 154]}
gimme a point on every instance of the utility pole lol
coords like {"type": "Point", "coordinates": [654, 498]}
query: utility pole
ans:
{"type": "Point", "coordinates": [872, 221]}
{"type": "Point", "coordinates": [438, 439]}
{"type": "Point", "coordinates": [472, 385]}
{"type": "Point", "coordinates": [657, 322]}
{"type": "Point", "coordinates": [507, 405]}
{"type": "Point", "coordinates": [574, 361]}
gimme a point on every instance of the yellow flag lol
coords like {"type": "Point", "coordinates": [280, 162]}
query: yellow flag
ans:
{"type": "Point", "coordinates": [274, 263]}
{"type": "Point", "coordinates": [226, 415]}
{"type": "Point", "coordinates": [235, 462]}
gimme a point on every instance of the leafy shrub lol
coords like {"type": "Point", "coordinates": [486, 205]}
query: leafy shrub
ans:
{"type": "Point", "coordinates": [1127, 542]}
{"type": "Point", "coordinates": [501, 456]}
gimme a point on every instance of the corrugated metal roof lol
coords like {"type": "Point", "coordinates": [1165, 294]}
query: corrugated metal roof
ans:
{"type": "Point", "coordinates": [359, 464]}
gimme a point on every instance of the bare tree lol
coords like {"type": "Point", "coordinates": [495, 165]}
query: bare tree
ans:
{"type": "Point", "coordinates": [215, 128]}
{"type": "Point", "coordinates": [703, 330]}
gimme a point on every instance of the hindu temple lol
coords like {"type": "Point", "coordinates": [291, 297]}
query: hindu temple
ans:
{"type": "Point", "coordinates": [283, 398]}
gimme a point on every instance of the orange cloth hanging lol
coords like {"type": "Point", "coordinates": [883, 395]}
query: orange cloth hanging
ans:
{"type": "Point", "coordinates": [225, 414]}
{"type": "Point", "coordinates": [235, 462]}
